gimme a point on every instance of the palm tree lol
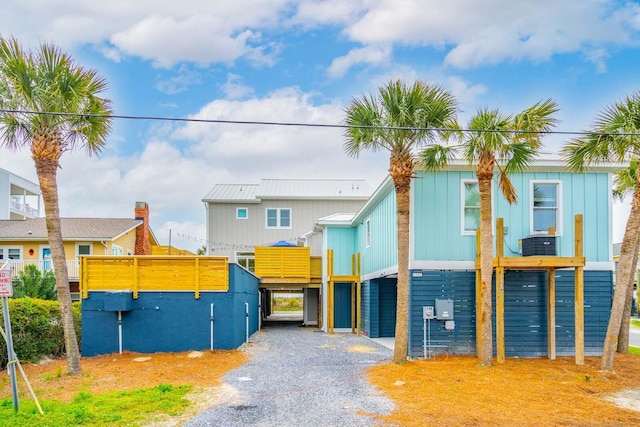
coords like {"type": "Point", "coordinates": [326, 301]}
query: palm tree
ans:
{"type": "Point", "coordinates": [624, 184]}
{"type": "Point", "coordinates": [614, 137]}
{"type": "Point", "coordinates": [401, 119]}
{"type": "Point", "coordinates": [51, 105]}
{"type": "Point", "coordinates": [499, 142]}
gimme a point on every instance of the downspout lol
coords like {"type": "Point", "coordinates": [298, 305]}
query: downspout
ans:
{"type": "Point", "coordinates": [211, 326]}
{"type": "Point", "coordinates": [106, 248]}
{"type": "Point", "coordinates": [120, 332]}
{"type": "Point", "coordinates": [246, 305]}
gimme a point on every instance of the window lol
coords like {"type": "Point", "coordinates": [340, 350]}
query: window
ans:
{"type": "Point", "coordinates": [83, 249]}
{"type": "Point", "coordinates": [242, 213]}
{"type": "Point", "coordinates": [545, 206]}
{"type": "Point", "coordinates": [368, 233]}
{"type": "Point", "coordinates": [116, 250]}
{"type": "Point", "coordinates": [10, 253]}
{"type": "Point", "coordinates": [246, 260]}
{"type": "Point", "coordinates": [470, 206]}
{"type": "Point", "coordinates": [278, 218]}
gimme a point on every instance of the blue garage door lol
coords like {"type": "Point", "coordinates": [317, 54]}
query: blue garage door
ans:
{"type": "Point", "coordinates": [388, 296]}
{"type": "Point", "coordinates": [342, 305]}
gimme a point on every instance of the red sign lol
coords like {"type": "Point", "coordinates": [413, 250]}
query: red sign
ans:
{"type": "Point", "coordinates": [6, 287]}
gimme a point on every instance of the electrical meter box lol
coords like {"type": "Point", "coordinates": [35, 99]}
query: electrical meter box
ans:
{"type": "Point", "coordinates": [444, 309]}
{"type": "Point", "coordinates": [428, 313]}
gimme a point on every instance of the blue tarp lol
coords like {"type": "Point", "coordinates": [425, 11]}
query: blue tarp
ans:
{"type": "Point", "coordinates": [283, 243]}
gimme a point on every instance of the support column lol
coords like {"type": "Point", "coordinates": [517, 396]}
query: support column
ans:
{"type": "Point", "coordinates": [579, 292]}
{"type": "Point", "coordinates": [500, 291]}
{"type": "Point", "coordinates": [551, 313]}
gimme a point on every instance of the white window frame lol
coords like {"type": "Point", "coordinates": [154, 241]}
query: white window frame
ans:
{"type": "Point", "coordinates": [367, 233]}
{"type": "Point", "coordinates": [78, 244]}
{"type": "Point", "coordinates": [558, 206]}
{"type": "Point", "coordinates": [246, 211]}
{"type": "Point", "coordinates": [5, 253]}
{"type": "Point", "coordinates": [245, 255]}
{"type": "Point", "coordinates": [117, 247]}
{"type": "Point", "coordinates": [463, 183]}
{"type": "Point", "coordinates": [278, 218]}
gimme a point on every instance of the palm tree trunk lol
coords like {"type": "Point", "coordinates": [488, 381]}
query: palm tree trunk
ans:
{"type": "Point", "coordinates": [46, 170]}
{"type": "Point", "coordinates": [485, 176]}
{"type": "Point", "coordinates": [401, 173]}
{"type": "Point", "coordinates": [628, 251]}
{"type": "Point", "coordinates": [623, 337]}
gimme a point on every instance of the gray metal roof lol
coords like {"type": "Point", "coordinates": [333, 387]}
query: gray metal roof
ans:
{"type": "Point", "coordinates": [72, 228]}
{"type": "Point", "coordinates": [326, 189]}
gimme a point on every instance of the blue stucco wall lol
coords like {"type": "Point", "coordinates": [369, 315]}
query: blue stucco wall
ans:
{"type": "Point", "coordinates": [171, 321]}
{"type": "Point", "coordinates": [525, 311]}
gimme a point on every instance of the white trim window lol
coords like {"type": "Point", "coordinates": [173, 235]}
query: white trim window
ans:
{"type": "Point", "coordinates": [367, 231]}
{"type": "Point", "coordinates": [277, 217]}
{"type": "Point", "coordinates": [470, 213]}
{"type": "Point", "coordinates": [84, 249]}
{"type": "Point", "coordinates": [545, 206]}
{"type": "Point", "coordinates": [9, 252]}
{"type": "Point", "coordinates": [246, 260]}
{"type": "Point", "coordinates": [116, 250]}
{"type": "Point", "coordinates": [242, 213]}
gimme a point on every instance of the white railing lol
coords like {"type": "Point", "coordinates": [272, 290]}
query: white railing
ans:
{"type": "Point", "coordinates": [19, 265]}
{"type": "Point", "coordinates": [24, 208]}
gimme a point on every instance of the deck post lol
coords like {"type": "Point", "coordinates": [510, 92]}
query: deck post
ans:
{"type": "Point", "coordinates": [478, 297]}
{"type": "Point", "coordinates": [358, 295]}
{"type": "Point", "coordinates": [551, 313]}
{"type": "Point", "coordinates": [579, 292]}
{"type": "Point", "coordinates": [500, 291]}
{"type": "Point", "coordinates": [330, 307]}
{"type": "Point", "coordinates": [353, 295]}
{"type": "Point", "coordinates": [197, 278]}
{"type": "Point", "coordinates": [135, 277]}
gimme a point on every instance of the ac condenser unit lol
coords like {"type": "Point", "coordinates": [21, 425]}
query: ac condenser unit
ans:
{"type": "Point", "coordinates": [539, 245]}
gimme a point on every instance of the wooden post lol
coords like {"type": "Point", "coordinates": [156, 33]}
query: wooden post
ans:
{"type": "Point", "coordinates": [197, 277]}
{"type": "Point", "coordinates": [500, 291]}
{"type": "Point", "coordinates": [478, 297]}
{"type": "Point", "coordinates": [330, 307]}
{"type": "Point", "coordinates": [579, 292]}
{"type": "Point", "coordinates": [84, 291]}
{"type": "Point", "coordinates": [358, 295]}
{"type": "Point", "coordinates": [551, 314]}
{"type": "Point", "coordinates": [353, 295]}
{"type": "Point", "coordinates": [135, 277]}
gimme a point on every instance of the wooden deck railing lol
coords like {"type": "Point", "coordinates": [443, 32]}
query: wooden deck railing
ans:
{"type": "Point", "coordinates": [18, 265]}
{"type": "Point", "coordinates": [283, 264]}
{"type": "Point", "coordinates": [153, 273]}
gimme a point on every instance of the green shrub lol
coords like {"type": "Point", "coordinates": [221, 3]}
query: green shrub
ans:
{"type": "Point", "coordinates": [36, 328]}
{"type": "Point", "coordinates": [31, 282]}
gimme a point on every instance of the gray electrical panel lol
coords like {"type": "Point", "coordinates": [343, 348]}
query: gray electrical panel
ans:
{"type": "Point", "coordinates": [427, 312]}
{"type": "Point", "coordinates": [444, 309]}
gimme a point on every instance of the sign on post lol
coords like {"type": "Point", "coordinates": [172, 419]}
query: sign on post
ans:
{"type": "Point", "coordinates": [6, 287]}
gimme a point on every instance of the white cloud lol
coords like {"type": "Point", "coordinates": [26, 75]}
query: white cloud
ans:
{"type": "Point", "coordinates": [179, 83]}
{"type": "Point", "coordinates": [311, 13]}
{"type": "Point", "coordinates": [463, 91]}
{"type": "Point", "coordinates": [233, 88]}
{"type": "Point", "coordinates": [375, 55]}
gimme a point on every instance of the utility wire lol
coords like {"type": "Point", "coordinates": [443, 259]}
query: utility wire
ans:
{"type": "Point", "coordinates": [312, 125]}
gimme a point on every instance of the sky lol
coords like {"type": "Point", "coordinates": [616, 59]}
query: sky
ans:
{"type": "Point", "coordinates": [302, 62]}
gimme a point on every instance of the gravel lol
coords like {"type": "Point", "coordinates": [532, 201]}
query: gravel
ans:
{"type": "Point", "coordinates": [300, 377]}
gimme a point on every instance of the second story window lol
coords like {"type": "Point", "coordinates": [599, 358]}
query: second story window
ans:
{"type": "Point", "coordinates": [83, 249]}
{"type": "Point", "coordinates": [367, 233]}
{"type": "Point", "coordinates": [545, 206]}
{"type": "Point", "coordinates": [470, 207]}
{"type": "Point", "coordinates": [278, 218]}
{"type": "Point", "coordinates": [242, 213]}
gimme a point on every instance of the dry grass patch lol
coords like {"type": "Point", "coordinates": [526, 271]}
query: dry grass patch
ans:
{"type": "Point", "coordinates": [119, 372]}
{"type": "Point", "coordinates": [458, 391]}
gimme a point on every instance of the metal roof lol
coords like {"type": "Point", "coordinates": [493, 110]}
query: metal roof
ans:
{"type": "Point", "coordinates": [72, 228]}
{"type": "Point", "coordinates": [325, 189]}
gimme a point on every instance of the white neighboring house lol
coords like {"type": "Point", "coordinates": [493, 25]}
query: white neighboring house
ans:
{"type": "Point", "coordinates": [242, 216]}
{"type": "Point", "coordinates": [19, 197]}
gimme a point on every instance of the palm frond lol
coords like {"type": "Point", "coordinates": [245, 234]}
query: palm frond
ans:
{"type": "Point", "coordinates": [436, 157]}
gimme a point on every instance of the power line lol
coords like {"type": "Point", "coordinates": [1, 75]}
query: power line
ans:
{"type": "Point", "coordinates": [312, 125]}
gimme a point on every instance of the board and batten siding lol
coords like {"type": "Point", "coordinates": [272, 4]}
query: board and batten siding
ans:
{"type": "Point", "coordinates": [342, 241]}
{"type": "Point", "coordinates": [437, 214]}
{"type": "Point", "coordinates": [228, 234]}
{"type": "Point", "coordinates": [383, 250]}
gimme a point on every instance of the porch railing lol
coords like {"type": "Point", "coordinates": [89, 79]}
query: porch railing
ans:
{"type": "Point", "coordinates": [18, 265]}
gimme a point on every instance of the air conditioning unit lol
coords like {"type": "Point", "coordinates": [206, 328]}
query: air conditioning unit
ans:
{"type": "Point", "coordinates": [539, 245]}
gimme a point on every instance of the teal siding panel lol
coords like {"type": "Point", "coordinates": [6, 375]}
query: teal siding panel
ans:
{"type": "Point", "coordinates": [342, 241]}
{"type": "Point", "coordinates": [437, 210]}
{"type": "Point", "coordinates": [383, 251]}
{"type": "Point", "coordinates": [387, 297]}
{"type": "Point", "coordinates": [367, 308]}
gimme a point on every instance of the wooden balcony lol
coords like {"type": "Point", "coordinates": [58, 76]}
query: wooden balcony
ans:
{"type": "Point", "coordinates": [73, 267]}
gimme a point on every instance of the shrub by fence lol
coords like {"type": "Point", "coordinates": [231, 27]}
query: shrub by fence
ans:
{"type": "Point", "coordinates": [36, 328]}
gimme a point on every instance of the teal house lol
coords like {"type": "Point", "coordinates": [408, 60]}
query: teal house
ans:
{"type": "Point", "coordinates": [442, 261]}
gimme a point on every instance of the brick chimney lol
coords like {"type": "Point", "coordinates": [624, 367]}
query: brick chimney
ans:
{"type": "Point", "coordinates": [143, 246]}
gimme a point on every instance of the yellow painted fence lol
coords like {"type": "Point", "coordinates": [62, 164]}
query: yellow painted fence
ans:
{"type": "Point", "coordinates": [141, 273]}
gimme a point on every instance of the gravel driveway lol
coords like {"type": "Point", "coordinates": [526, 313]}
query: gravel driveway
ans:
{"type": "Point", "coordinates": [300, 377]}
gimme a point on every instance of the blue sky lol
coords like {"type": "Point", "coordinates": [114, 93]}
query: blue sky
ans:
{"type": "Point", "coordinates": [302, 61]}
